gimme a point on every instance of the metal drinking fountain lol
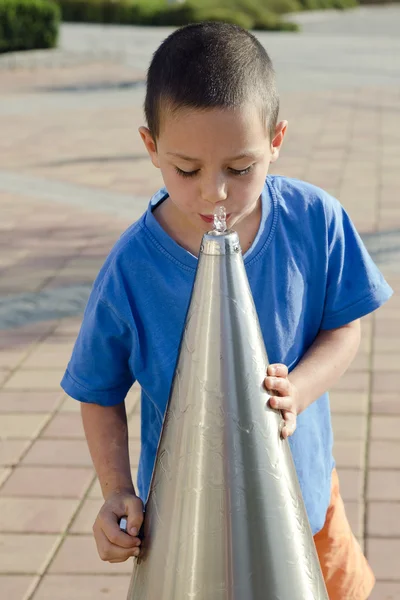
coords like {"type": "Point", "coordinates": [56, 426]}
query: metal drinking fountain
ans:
{"type": "Point", "coordinates": [225, 518]}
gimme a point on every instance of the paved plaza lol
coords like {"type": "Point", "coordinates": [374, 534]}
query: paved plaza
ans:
{"type": "Point", "coordinates": [74, 175]}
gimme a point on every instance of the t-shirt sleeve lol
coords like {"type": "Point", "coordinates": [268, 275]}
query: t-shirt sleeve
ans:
{"type": "Point", "coordinates": [99, 370]}
{"type": "Point", "coordinates": [355, 285]}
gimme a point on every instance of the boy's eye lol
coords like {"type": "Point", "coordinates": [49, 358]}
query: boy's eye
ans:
{"type": "Point", "coordinates": [241, 171]}
{"type": "Point", "coordinates": [186, 173]}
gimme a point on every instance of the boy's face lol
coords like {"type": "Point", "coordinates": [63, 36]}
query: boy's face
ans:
{"type": "Point", "coordinates": [211, 158]}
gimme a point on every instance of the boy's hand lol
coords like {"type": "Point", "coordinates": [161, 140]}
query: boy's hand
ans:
{"type": "Point", "coordinates": [113, 544]}
{"type": "Point", "coordinates": [283, 396]}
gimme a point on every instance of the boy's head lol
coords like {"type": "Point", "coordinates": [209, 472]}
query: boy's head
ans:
{"type": "Point", "coordinates": [212, 110]}
{"type": "Point", "coordinates": [210, 65]}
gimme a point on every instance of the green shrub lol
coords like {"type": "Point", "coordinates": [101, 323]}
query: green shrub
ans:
{"type": "Point", "coordinates": [28, 24]}
{"type": "Point", "coordinates": [260, 14]}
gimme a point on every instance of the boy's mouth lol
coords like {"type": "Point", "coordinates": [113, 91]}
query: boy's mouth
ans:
{"type": "Point", "coordinates": [210, 218]}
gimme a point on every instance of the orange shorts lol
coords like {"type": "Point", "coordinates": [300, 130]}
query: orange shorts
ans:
{"type": "Point", "coordinates": [346, 571]}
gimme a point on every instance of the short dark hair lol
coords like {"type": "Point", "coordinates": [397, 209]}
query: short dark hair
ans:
{"type": "Point", "coordinates": [210, 65]}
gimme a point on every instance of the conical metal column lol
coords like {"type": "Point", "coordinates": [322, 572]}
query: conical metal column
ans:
{"type": "Point", "coordinates": [225, 518]}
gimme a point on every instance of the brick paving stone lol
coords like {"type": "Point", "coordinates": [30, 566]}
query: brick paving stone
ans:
{"type": "Point", "coordinates": [32, 379]}
{"type": "Point", "coordinates": [70, 405]}
{"type": "Point", "coordinates": [385, 427]}
{"type": "Point", "coordinates": [17, 587]}
{"type": "Point", "coordinates": [11, 451]}
{"type": "Point", "coordinates": [385, 403]}
{"type": "Point", "coordinates": [26, 554]}
{"type": "Point", "coordinates": [349, 427]}
{"type": "Point", "coordinates": [349, 402]}
{"type": "Point", "coordinates": [386, 382]}
{"type": "Point", "coordinates": [383, 485]}
{"type": "Point", "coordinates": [383, 555]}
{"type": "Point", "coordinates": [36, 515]}
{"type": "Point", "coordinates": [65, 425]}
{"type": "Point", "coordinates": [21, 425]}
{"type": "Point", "coordinates": [386, 591]}
{"type": "Point", "coordinates": [351, 484]}
{"type": "Point", "coordinates": [349, 454]}
{"type": "Point", "coordinates": [134, 426]}
{"type": "Point", "coordinates": [384, 454]}
{"type": "Point", "coordinates": [4, 473]}
{"type": "Point", "coordinates": [357, 381]}
{"type": "Point", "coordinates": [86, 516]}
{"type": "Point", "coordinates": [78, 554]}
{"type": "Point", "coordinates": [83, 587]}
{"type": "Point", "coordinates": [383, 519]}
{"type": "Point", "coordinates": [355, 516]}
{"type": "Point", "coordinates": [57, 482]}
{"type": "Point", "coordinates": [74, 453]}
{"type": "Point", "coordinates": [29, 402]}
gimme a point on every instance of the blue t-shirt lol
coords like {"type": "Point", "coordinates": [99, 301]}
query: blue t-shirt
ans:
{"type": "Point", "coordinates": [308, 270]}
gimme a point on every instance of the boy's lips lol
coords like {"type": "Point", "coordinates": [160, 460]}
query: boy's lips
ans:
{"type": "Point", "coordinates": [210, 218]}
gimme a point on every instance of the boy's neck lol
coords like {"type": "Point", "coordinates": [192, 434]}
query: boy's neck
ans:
{"type": "Point", "coordinates": [177, 227]}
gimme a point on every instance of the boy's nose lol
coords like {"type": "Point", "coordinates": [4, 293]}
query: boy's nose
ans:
{"type": "Point", "coordinates": [214, 191]}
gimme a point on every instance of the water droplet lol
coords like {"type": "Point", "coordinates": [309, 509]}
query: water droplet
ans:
{"type": "Point", "coordinates": [220, 219]}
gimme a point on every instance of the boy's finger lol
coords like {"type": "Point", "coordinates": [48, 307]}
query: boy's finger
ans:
{"type": "Point", "coordinates": [277, 384]}
{"type": "Point", "coordinates": [109, 524]}
{"type": "Point", "coordinates": [290, 424]}
{"type": "Point", "coordinates": [111, 552]}
{"type": "Point", "coordinates": [281, 402]}
{"type": "Point", "coordinates": [277, 370]}
{"type": "Point", "coordinates": [135, 515]}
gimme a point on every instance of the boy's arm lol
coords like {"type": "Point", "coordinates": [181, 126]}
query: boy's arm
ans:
{"type": "Point", "coordinates": [106, 431]}
{"type": "Point", "coordinates": [325, 362]}
{"type": "Point", "coordinates": [319, 369]}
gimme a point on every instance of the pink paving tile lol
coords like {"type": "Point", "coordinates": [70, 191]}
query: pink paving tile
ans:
{"type": "Point", "coordinates": [60, 482]}
{"type": "Point", "coordinates": [134, 426]}
{"type": "Point", "coordinates": [26, 554]}
{"type": "Point", "coordinates": [10, 359]}
{"type": "Point", "coordinates": [386, 382]}
{"type": "Point", "coordinates": [385, 362]}
{"type": "Point", "coordinates": [355, 516]}
{"type": "Point", "coordinates": [36, 515]}
{"type": "Point", "coordinates": [29, 402]}
{"type": "Point", "coordinates": [349, 402]}
{"type": "Point", "coordinates": [22, 425]}
{"type": "Point", "coordinates": [353, 381]}
{"type": "Point", "coordinates": [70, 405]}
{"type": "Point", "coordinates": [383, 519]}
{"type": "Point", "coordinates": [4, 474]}
{"type": "Point", "coordinates": [34, 379]}
{"type": "Point", "coordinates": [72, 453]}
{"type": "Point", "coordinates": [11, 451]}
{"type": "Point", "coordinates": [78, 555]}
{"type": "Point", "coordinates": [385, 427]}
{"type": "Point", "coordinates": [65, 425]}
{"type": "Point", "coordinates": [86, 516]}
{"type": "Point", "coordinates": [349, 454]}
{"type": "Point", "coordinates": [383, 555]}
{"type": "Point", "coordinates": [384, 455]}
{"type": "Point", "coordinates": [383, 485]}
{"type": "Point", "coordinates": [349, 427]}
{"type": "Point", "coordinates": [83, 587]}
{"type": "Point", "coordinates": [351, 484]}
{"type": "Point", "coordinates": [385, 403]}
{"type": "Point", "coordinates": [386, 591]}
{"type": "Point", "coordinates": [17, 587]}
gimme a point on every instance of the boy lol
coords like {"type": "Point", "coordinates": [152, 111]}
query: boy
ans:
{"type": "Point", "coordinates": [212, 115]}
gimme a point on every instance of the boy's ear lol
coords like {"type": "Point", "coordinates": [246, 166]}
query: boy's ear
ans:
{"type": "Point", "coordinates": [277, 141]}
{"type": "Point", "coordinates": [150, 144]}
